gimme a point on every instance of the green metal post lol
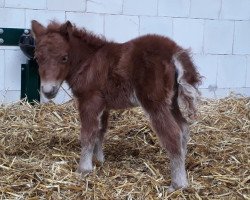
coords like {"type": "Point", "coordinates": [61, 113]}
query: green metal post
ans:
{"type": "Point", "coordinates": [30, 81]}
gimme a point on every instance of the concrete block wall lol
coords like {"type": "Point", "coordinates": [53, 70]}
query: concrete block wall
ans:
{"type": "Point", "coordinates": [217, 31]}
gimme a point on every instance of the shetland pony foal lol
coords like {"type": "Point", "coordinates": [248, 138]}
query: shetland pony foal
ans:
{"type": "Point", "coordinates": [150, 71]}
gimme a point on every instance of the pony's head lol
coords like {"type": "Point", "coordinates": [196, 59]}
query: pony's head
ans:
{"type": "Point", "coordinates": [52, 54]}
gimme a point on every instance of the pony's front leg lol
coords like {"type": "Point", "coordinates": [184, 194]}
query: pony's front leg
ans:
{"type": "Point", "coordinates": [90, 119]}
{"type": "Point", "coordinates": [87, 149]}
{"type": "Point", "coordinates": [98, 149]}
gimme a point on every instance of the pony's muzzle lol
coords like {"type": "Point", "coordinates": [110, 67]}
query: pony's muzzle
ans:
{"type": "Point", "coordinates": [49, 91]}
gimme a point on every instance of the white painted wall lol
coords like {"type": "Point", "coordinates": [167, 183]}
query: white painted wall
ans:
{"type": "Point", "coordinates": [217, 31]}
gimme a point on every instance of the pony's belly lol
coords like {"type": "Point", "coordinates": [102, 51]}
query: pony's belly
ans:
{"type": "Point", "coordinates": [120, 103]}
{"type": "Point", "coordinates": [122, 100]}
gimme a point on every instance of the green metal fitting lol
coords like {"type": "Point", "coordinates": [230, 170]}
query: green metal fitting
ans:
{"type": "Point", "coordinates": [30, 80]}
{"type": "Point", "coordinates": [10, 36]}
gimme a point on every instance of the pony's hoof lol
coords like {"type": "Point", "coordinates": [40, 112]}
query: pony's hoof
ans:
{"type": "Point", "coordinates": [100, 158]}
{"type": "Point", "coordinates": [171, 189]}
{"type": "Point", "coordinates": [174, 187]}
{"type": "Point", "coordinates": [83, 171]}
{"type": "Point", "coordinates": [99, 155]}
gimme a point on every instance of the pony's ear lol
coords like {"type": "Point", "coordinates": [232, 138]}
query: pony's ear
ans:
{"type": "Point", "coordinates": [66, 29]}
{"type": "Point", "coordinates": [37, 28]}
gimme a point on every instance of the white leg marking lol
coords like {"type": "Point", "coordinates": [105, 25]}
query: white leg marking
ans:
{"type": "Point", "coordinates": [85, 164]}
{"type": "Point", "coordinates": [178, 173]}
{"type": "Point", "coordinates": [98, 151]}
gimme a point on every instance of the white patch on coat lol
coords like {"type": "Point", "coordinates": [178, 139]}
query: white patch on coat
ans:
{"type": "Point", "coordinates": [184, 88]}
{"type": "Point", "coordinates": [133, 99]}
{"type": "Point", "coordinates": [99, 119]}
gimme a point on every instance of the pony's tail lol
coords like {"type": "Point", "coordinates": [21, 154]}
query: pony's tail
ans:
{"type": "Point", "coordinates": [188, 80]}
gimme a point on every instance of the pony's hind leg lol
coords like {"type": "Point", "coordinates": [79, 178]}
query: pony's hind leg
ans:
{"type": "Point", "coordinates": [103, 123]}
{"type": "Point", "coordinates": [182, 122]}
{"type": "Point", "coordinates": [170, 136]}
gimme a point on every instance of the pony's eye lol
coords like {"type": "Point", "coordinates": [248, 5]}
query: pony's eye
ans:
{"type": "Point", "coordinates": [65, 59]}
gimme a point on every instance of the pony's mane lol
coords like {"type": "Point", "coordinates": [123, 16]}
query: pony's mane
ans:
{"type": "Point", "coordinates": [87, 36]}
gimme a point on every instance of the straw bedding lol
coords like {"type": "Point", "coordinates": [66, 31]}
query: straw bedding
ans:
{"type": "Point", "coordinates": [39, 152]}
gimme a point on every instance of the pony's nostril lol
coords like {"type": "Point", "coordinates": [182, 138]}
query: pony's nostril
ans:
{"type": "Point", "coordinates": [50, 95]}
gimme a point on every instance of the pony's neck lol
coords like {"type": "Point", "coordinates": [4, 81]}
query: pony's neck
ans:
{"type": "Point", "coordinates": [83, 46]}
